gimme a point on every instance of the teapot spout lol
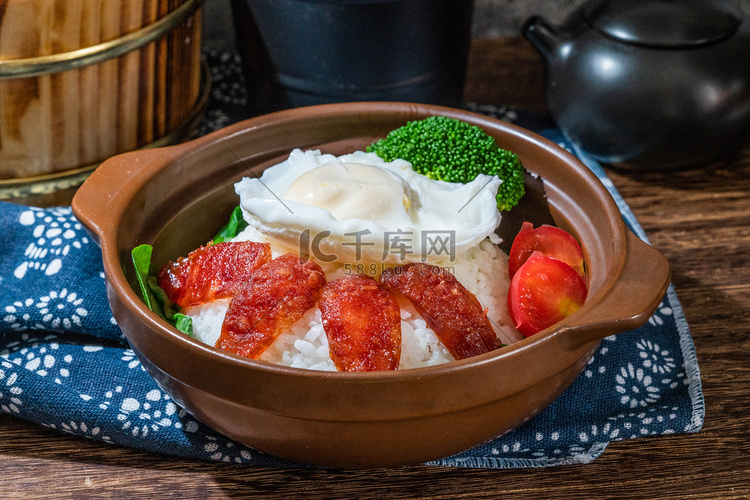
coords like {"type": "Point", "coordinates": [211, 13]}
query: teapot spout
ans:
{"type": "Point", "coordinates": [542, 36]}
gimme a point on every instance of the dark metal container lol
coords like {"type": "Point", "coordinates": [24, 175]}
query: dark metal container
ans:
{"type": "Point", "coordinates": [302, 52]}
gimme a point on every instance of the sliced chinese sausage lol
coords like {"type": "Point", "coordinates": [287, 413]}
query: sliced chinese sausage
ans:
{"type": "Point", "coordinates": [448, 308]}
{"type": "Point", "coordinates": [275, 296]}
{"type": "Point", "coordinates": [212, 272]}
{"type": "Point", "coordinates": [362, 322]}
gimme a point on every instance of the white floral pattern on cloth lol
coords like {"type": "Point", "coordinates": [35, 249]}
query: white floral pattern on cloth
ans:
{"type": "Point", "coordinates": [62, 384]}
{"type": "Point", "coordinates": [64, 363]}
{"type": "Point", "coordinates": [55, 235]}
{"type": "Point", "coordinates": [44, 254]}
{"type": "Point", "coordinates": [10, 391]}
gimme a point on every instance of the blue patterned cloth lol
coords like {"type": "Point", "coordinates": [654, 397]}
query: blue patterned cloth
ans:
{"type": "Point", "coordinates": [64, 363]}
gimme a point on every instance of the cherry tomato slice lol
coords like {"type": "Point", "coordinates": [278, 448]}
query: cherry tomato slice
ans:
{"type": "Point", "coordinates": [551, 241]}
{"type": "Point", "coordinates": [542, 292]}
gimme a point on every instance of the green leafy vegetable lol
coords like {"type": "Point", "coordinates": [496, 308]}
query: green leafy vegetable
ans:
{"type": "Point", "coordinates": [153, 296]}
{"type": "Point", "coordinates": [232, 228]}
{"type": "Point", "coordinates": [142, 263]}
{"type": "Point", "coordinates": [183, 323]}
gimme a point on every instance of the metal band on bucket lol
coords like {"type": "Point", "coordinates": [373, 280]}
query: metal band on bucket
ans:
{"type": "Point", "coordinates": [64, 61]}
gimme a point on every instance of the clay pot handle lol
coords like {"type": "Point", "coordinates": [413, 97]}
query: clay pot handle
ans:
{"type": "Point", "coordinates": [96, 199]}
{"type": "Point", "coordinates": [631, 300]}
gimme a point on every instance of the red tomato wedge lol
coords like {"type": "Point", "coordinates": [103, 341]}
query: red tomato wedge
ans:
{"type": "Point", "coordinates": [275, 296]}
{"type": "Point", "coordinates": [362, 322]}
{"type": "Point", "coordinates": [551, 241]}
{"type": "Point", "coordinates": [542, 292]}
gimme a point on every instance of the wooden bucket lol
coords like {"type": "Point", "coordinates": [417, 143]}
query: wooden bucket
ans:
{"type": "Point", "coordinates": [83, 80]}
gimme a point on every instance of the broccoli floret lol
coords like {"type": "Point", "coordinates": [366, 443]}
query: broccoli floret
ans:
{"type": "Point", "coordinates": [451, 150]}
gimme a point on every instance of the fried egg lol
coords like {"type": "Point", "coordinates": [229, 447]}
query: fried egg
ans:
{"type": "Point", "coordinates": [359, 208]}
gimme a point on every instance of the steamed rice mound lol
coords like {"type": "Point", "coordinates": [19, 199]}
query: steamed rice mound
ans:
{"type": "Point", "coordinates": [483, 270]}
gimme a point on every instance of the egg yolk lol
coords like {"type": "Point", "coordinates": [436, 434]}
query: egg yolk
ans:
{"type": "Point", "coordinates": [355, 190]}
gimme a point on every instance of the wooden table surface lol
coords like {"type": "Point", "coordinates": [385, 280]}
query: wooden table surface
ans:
{"type": "Point", "coordinates": [700, 219]}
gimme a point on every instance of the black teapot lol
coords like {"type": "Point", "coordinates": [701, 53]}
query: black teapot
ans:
{"type": "Point", "coordinates": [649, 85]}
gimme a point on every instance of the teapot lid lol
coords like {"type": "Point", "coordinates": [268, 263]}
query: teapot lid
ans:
{"type": "Point", "coordinates": [664, 23]}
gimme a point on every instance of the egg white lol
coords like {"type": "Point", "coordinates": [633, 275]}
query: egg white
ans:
{"type": "Point", "coordinates": [458, 215]}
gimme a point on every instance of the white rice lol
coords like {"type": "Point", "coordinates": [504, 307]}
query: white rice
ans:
{"type": "Point", "coordinates": [483, 270]}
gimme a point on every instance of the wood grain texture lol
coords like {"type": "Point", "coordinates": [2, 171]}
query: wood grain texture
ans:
{"type": "Point", "coordinates": [69, 119]}
{"type": "Point", "coordinates": [700, 219]}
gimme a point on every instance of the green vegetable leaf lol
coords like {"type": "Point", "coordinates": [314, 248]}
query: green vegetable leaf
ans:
{"type": "Point", "coordinates": [183, 323]}
{"type": "Point", "coordinates": [153, 296]}
{"type": "Point", "coordinates": [142, 262]}
{"type": "Point", "coordinates": [232, 228]}
{"type": "Point", "coordinates": [166, 309]}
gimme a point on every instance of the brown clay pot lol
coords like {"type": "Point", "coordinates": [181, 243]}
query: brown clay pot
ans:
{"type": "Point", "coordinates": [177, 197]}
